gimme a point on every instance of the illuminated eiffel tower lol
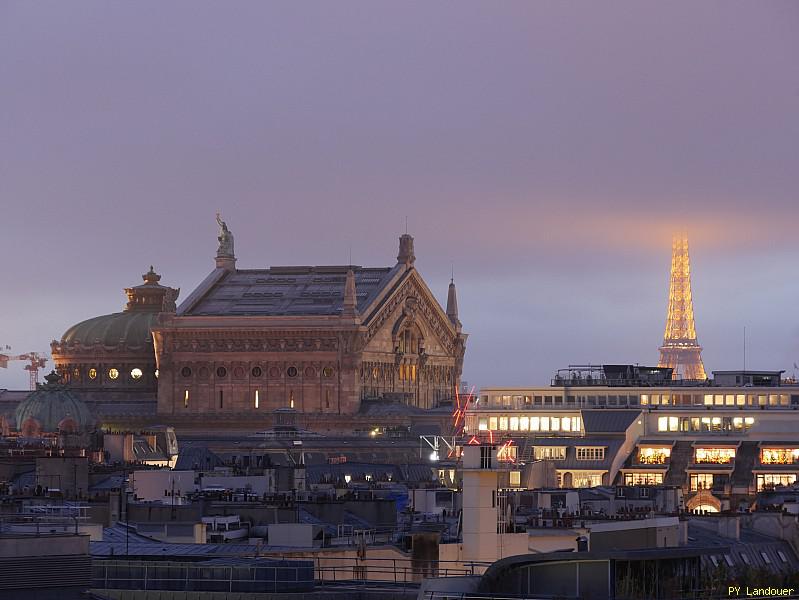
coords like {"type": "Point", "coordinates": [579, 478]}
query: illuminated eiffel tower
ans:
{"type": "Point", "coordinates": [680, 350]}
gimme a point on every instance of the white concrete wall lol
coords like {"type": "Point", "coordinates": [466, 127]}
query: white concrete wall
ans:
{"type": "Point", "coordinates": [150, 485]}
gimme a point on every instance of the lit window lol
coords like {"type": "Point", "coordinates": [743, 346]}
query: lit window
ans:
{"type": "Point", "coordinates": [555, 422]}
{"type": "Point", "coordinates": [185, 398]}
{"type": "Point", "coordinates": [544, 423]}
{"type": "Point", "coordinates": [535, 423]}
{"type": "Point", "coordinates": [654, 456]}
{"type": "Point", "coordinates": [503, 423]}
{"type": "Point", "coordinates": [156, 373]}
{"type": "Point", "coordinates": [92, 373]}
{"type": "Point", "coordinates": [701, 481]}
{"type": "Point", "coordinates": [492, 423]}
{"type": "Point", "coordinates": [514, 423]}
{"type": "Point", "coordinates": [565, 424]}
{"type": "Point", "coordinates": [575, 423]}
{"type": "Point", "coordinates": [549, 452]}
{"type": "Point", "coordinates": [590, 453]}
{"type": "Point", "coordinates": [482, 424]}
{"type": "Point", "coordinates": [643, 478]}
{"type": "Point", "coordinates": [644, 398]}
{"type": "Point", "coordinates": [136, 373]}
{"type": "Point", "coordinates": [721, 456]}
{"type": "Point", "coordinates": [740, 399]}
{"type": "Point", "coordinates": [257, 399]}
{"type": "Point", "coordinates": [729, 399]}
{"type": "Point", "coordinates": [708, 399]}
{"type": "Point", "coordinates": [113, 373]}
{"type": "Point", "coordinates": [515, 478]}
{"type": "Point", "coordinates": [327, 371]}
{"type": "Point", "coordinates": [524, 423]}
{"type": "Point", "coordinates": [663, 423]}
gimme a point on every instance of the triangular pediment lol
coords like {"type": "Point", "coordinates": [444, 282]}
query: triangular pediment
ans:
{"type": "Point", "coordinates": [411, 298]}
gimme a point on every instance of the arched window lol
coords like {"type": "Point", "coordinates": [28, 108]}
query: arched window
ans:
{"type": "Point", "coordinates": [68, 425]}
{"type": "Point", "coordinates": [31, 428]}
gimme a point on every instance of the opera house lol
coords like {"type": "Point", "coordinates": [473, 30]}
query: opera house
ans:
{"type": "Point", "coordinates": [317, 346]}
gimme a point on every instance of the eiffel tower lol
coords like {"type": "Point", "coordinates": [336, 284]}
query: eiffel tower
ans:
{"type": "Point", "coordinates": [680, 350]}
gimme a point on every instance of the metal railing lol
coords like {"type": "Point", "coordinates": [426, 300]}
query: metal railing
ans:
{"type": "Point", "coordinates": [284, 573]}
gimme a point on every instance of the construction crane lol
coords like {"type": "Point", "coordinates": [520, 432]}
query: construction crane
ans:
{"type": "Point", "coordinates": [35, 362]}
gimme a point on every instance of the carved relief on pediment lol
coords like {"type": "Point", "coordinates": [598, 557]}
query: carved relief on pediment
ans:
{"type": "Point", "coordinates": [412, 304]}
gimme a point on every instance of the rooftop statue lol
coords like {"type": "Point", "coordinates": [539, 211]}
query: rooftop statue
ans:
{"type": "Point", "coordinates": [225, 239]}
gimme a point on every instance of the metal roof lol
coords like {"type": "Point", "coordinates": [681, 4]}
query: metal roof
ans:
{"type": "Point", "coordinates": [608, 420]}
{"type": "Point", "coordinates": [289, 291]}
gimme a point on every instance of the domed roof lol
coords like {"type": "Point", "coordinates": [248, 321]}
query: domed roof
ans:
{"type": "Point", "coordinates": [132, 326]}
{"type": "Point", "coordinates": [51, 404]}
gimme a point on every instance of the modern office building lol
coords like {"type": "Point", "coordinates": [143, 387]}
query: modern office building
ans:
{"type": "Point", "coordinates": [722, 440]}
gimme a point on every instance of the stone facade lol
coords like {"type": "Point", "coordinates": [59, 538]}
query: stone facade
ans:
{"type": "Point", "coordinates": [313, 339]}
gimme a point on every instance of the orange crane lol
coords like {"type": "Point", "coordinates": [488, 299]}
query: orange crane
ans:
{"type": "Point", "coordinates": [35, 362]}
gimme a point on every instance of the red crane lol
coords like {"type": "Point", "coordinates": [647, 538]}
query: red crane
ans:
{"type": "Point", "coordinates": [35, 362]}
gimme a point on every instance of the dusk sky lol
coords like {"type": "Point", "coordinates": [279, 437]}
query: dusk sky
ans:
{"type": "Point", "coordinates": [547, 150]}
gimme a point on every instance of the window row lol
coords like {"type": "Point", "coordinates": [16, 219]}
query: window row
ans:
{"type": "Point", "coordinates": [643, 478]}
{"type": "Point", "coordinates": [113, 373]}
{"type": "Point", "coordinates": [705, 424]}
{"type": "Point", "coordinates": [292, 371]}
{"type": "Point", "coordinates": [528, 423]}
{"type": "Point", "coordinates": [768, 481]}
{"type": "Point", "coordinates": [256, 398]}
{"type": "Point", "coordinates": [717, 399]}
{"type": "Point", "coordinates": [670, 399]}
{"type": "Point", "coordinates": [714, 456]}
{"type": "Point", "coordinates": [779, 456]}
{"type": "Point", "coordinates": [654, 456]}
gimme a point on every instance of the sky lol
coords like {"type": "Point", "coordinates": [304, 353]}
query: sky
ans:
{"type": "Point", "coordinates": [544, 150]}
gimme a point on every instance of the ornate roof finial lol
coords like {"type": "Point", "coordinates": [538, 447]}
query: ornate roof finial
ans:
{"type": "Point", "coordinates": [349, 307]}
{"type": "Point", "coordinates": [406, 255]}
{"type": "Point", "coordinates": [225, 255]}
{"type": "Point", "coordinates": [151, 277]}
{"type": "Point", "coordinates": [452, 303]}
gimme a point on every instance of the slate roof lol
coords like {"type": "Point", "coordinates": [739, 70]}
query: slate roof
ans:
{"type": "Point", "coordinates": [608, 420]}
{"type": "Point", "coordinates": [277, 291]}
{"type": "Point", "coordinates": [611, 445]}
{"type": "Point", "coordinates": [197, 457]}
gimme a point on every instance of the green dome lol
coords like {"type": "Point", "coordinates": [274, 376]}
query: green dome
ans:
{"type": "Point", "coordinates": [51, 404]}
{"type": "Point", "coordinates": [130, 327]}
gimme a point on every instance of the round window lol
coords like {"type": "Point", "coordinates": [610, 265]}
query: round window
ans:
{"type": "Point", "coordinates": [186, 371]}
{"type": "Point", "coordinates": [221, 372]}
{"type": "Point", "coordinates": [327, 371]}
{"type": "Point", "coordinates": [136, 373]}
{"type": "Point", "coordinates": [113, 373]}
{"type": "Point", "coordinates": [92, 373]}
{"type": "Point", "coordinates": [256, 371]}
{"type": "Point", "coordinates": [291, 371]}
{"type": "Point", "coordinates": [309, 372]}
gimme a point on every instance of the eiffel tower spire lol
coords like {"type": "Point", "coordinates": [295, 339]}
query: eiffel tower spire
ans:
{"type": "Point", "coordinates": [680, 349]}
